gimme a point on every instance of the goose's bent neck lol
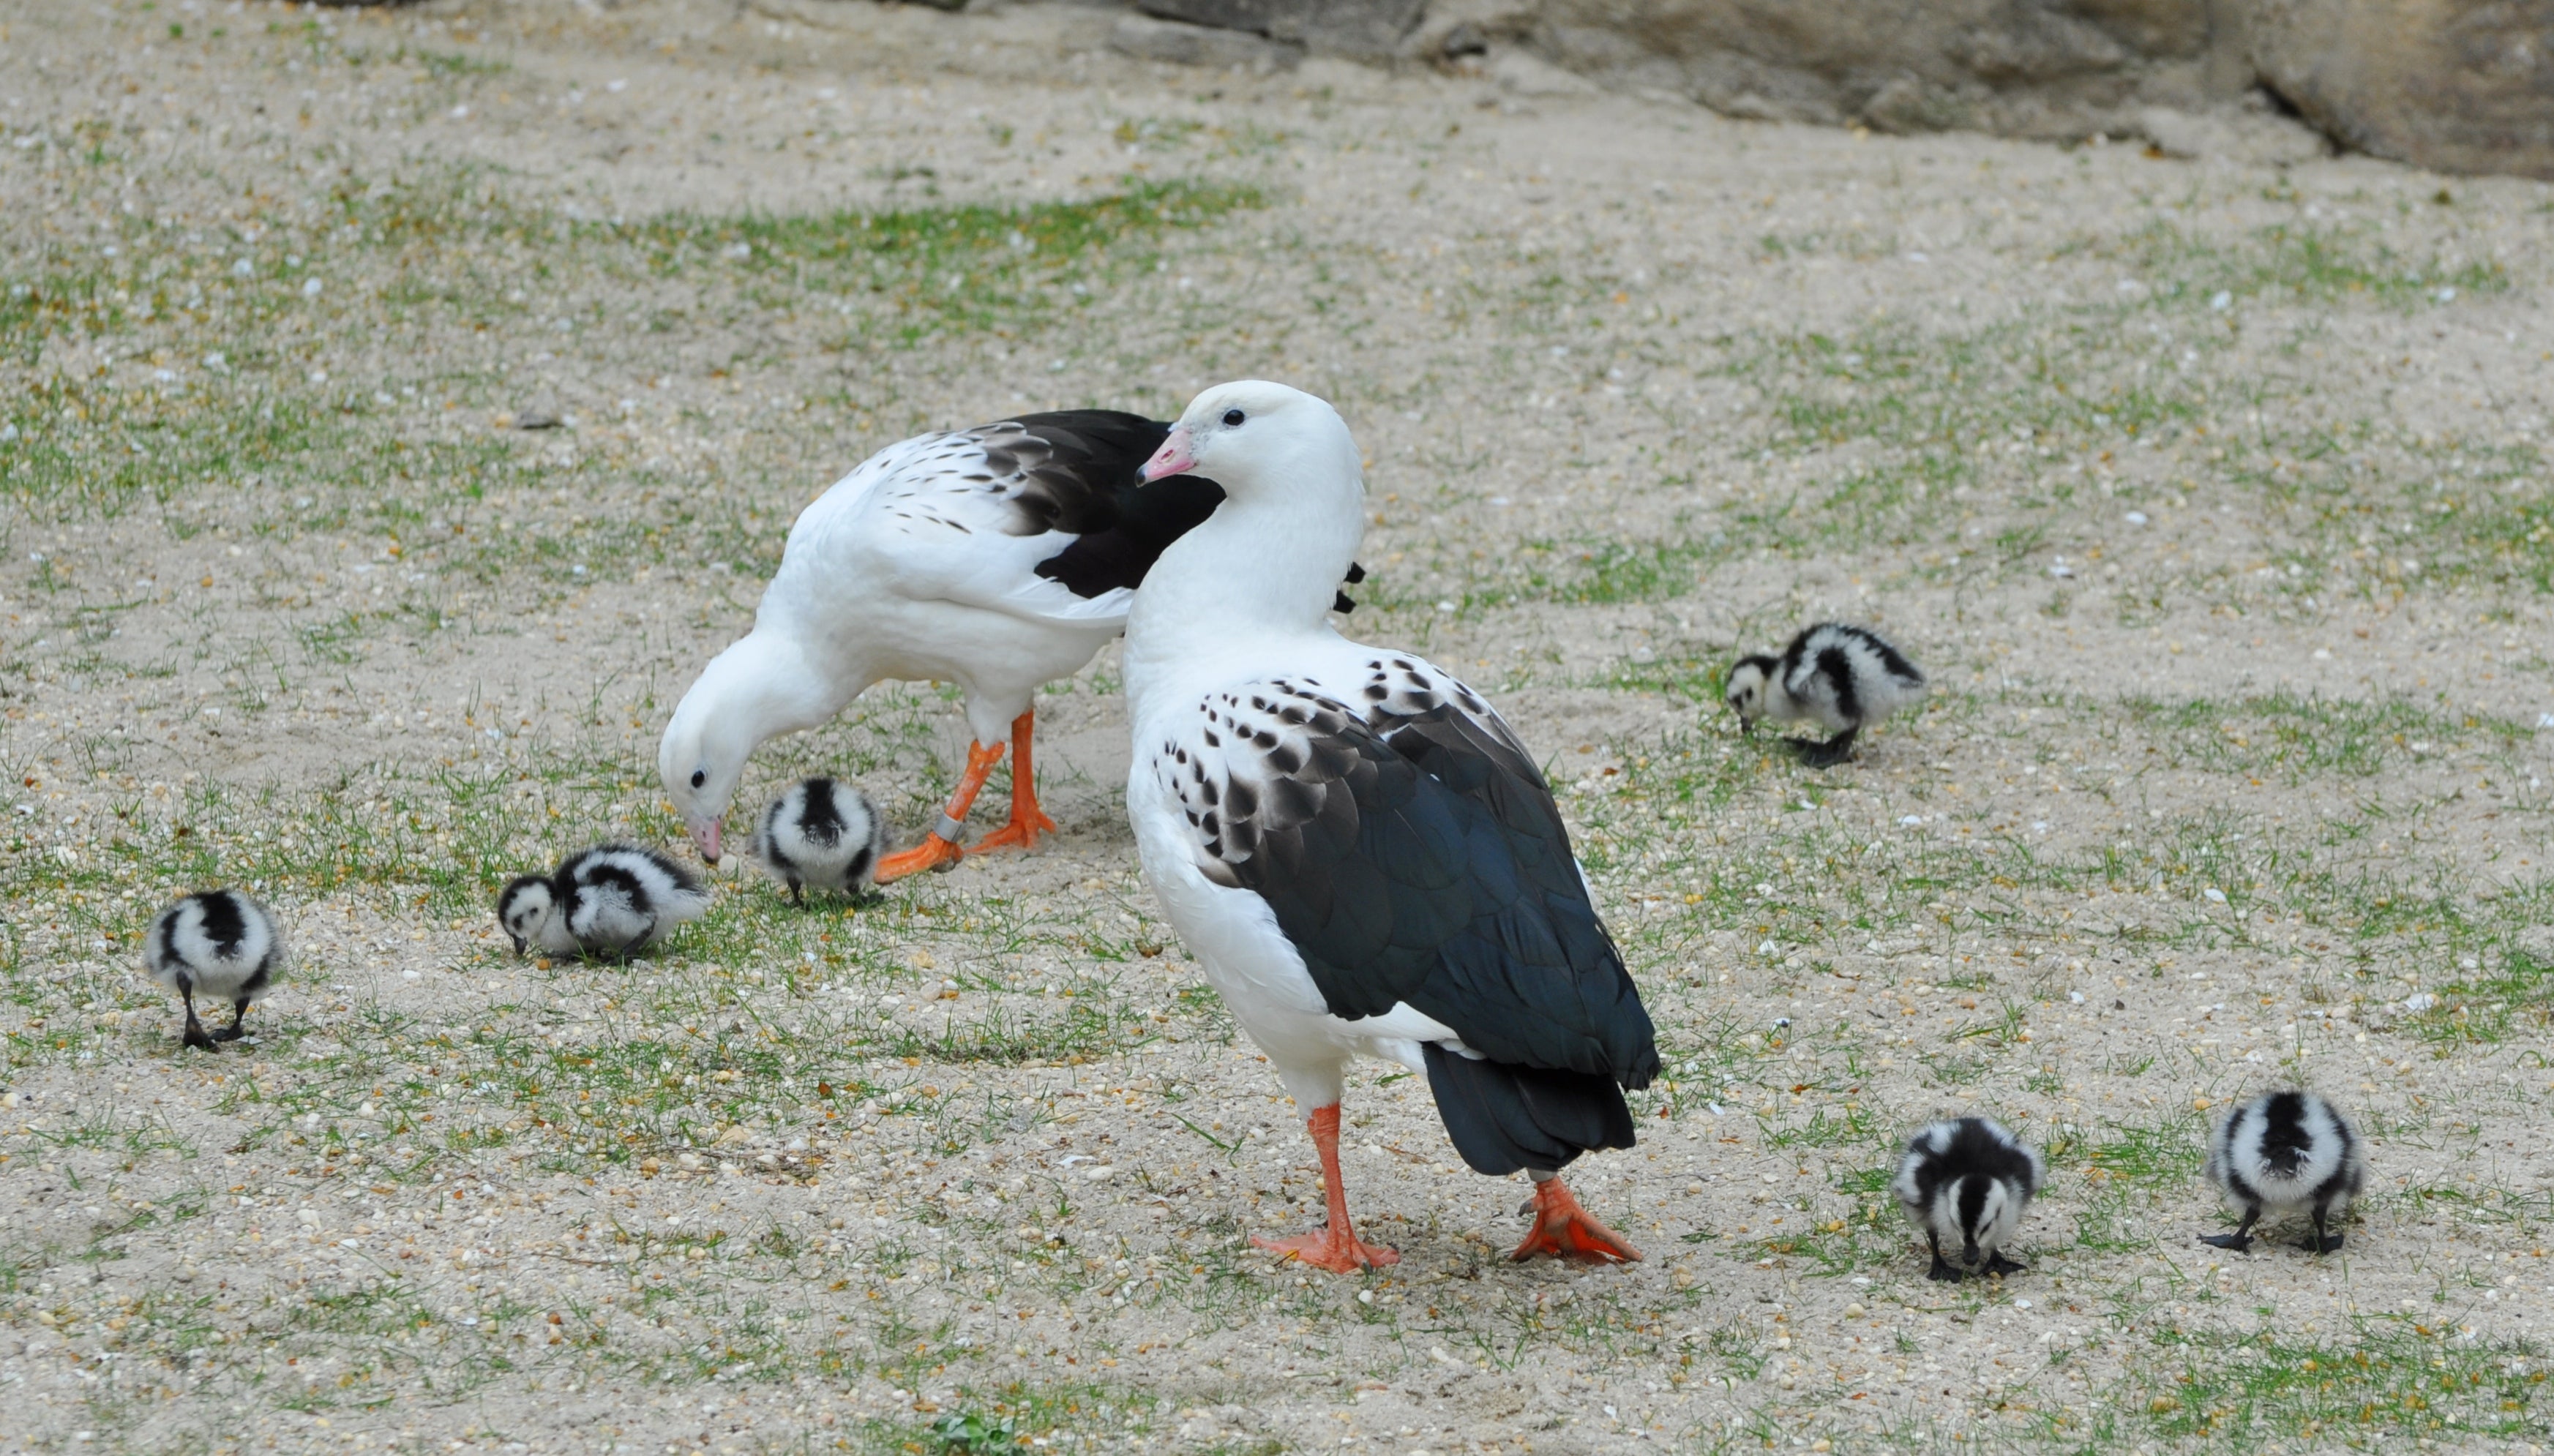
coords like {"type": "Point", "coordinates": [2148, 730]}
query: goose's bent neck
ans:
{"type": "Point", "coordinates": [766, 684]}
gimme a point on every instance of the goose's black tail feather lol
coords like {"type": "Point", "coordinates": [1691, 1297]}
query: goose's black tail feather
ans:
{"type": "Point", "coordinates": [1504, 1117]}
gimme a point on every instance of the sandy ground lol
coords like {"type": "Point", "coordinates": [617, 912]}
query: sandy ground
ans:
{"type": "Point", "coordinates": [2214, 498]}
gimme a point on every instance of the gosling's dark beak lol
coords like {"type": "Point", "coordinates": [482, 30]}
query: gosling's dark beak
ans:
{"type": "Point", "coordinates": [1746, 726]}
{"type": "Point", "coordinates": [1969, 1255]}
{"type": "Point", "coordinates": [519, 944]}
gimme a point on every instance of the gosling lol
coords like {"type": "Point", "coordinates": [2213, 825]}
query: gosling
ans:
{"type": "Point", "coordinates": [1841, 677]}
{"type": "Point", "coordinates": [1968, 1180]}
{"type": "Point", "coordinates": [611, 901]}
{"type": "Point", "coordinates": [2286, 1152]}
{"type": "Point", "coordinates": [220, 943]}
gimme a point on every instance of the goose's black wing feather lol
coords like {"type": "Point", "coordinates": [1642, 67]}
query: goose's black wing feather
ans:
{"type": "Point", "coordinates": [1079, 474]}
{"type": "Point", "coordinates": [1072, 465]}
{"type": "Point", "coordinates": [1413, 854]}
{"type": "Point", "coordinates": [1149, 515]}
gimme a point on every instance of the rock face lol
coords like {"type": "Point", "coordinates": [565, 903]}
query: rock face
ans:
{"type": "Point", "coordinates": [2458, 84]}
{"type": "Point", "coordinates": [1362, 29]}
{"type": "Point", "coordinates": [2037, 67]}
{"type": "Point", "coordinates": [2453, 84]}
{"type": "Point", "coordinates": [1195, 44]}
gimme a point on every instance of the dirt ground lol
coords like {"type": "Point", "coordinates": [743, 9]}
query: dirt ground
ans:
{"type": "Point", "coordinates": [2213, 496]}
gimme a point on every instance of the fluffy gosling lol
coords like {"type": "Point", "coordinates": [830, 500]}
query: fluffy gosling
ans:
{"type": "Point", "coordinates": [1842, 677]}
{"type": "Point", "coordinates": [220, 943]}
{"type": "Point", "coordinates": [2285, 1151]}
{"type": "Point", "coordinates": [823, 833]}
{"type": "Point", "coordinates": [1968, 1180]}
{"type": "Point", "coordinates": [610, 900]}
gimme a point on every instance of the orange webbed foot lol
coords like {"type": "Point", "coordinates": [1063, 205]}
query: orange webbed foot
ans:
{"type": "Point", "coordinates": [1565, 1230]}
{"type": "Point", "coordinates": [933, 852]}
{"type": "Point", "coordinates": [1327, 1248]}
{"type": "Point", "coordinates": [1020, 833]}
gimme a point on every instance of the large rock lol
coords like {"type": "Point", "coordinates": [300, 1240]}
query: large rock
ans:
{"type": "Point", "coordinates": [1361, 29]}
{"type": "Point", "coordinates": [2459, 84]}
{"type": "Point", "coordinates": [2455, 84]}
{"type": "Point", "coordinates": [1193, 45]}
{"type": "Point", "coordinates": [2040, 67]}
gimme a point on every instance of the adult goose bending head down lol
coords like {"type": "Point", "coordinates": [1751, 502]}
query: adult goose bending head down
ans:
{"type": "Point", "coordinates": [998, 558]}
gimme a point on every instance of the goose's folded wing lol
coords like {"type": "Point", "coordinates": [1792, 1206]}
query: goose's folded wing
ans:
{"type": "Point", "coordinates": [967, 517]}
{"type": "Point", "coordinates": [1428, 866]}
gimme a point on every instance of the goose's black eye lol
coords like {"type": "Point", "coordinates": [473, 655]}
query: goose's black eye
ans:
{"type": "Point", "coordinates": [700, 776]}
{"type": "Point", "coordinates": [1232, 418]}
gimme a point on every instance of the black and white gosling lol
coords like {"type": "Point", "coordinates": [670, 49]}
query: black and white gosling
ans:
{"type": "Point", "coordinates": [1840, 676]}
{"type": "Point", "coordinates": [1968, 1180]}
{"type": "Point", "coordinates": [824, 833]}
{"type": "Point", "coordinates": [221, 944]}
{"type": "Point", "coordinates": [610, 900]}
{"type": "Point", "coordinates": [2286, 1152]}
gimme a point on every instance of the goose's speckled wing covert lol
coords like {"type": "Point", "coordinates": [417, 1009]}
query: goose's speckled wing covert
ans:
{"type": "Point", "coordinates": [1412, 853]}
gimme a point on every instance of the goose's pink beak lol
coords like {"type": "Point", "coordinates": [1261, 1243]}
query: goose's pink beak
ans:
{"type": "Point", "coordinates": [705, 837]}
{"type": "Point", "coordinates": [1174, 457]}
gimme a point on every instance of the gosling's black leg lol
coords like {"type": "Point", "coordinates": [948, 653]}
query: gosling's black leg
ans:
{"type": "Point", "coordinates": [194, 1029]}
{"type": "Point", "coordinates": [1828, 754]}
{"type": "Point", "coordinates": [796, 898]}
{"type": "Point", "coordinates": [2240, 1240]}
{"type": "Point", "coordinates": [1942, 1270]}
{"type": "Point", "coordinates": [232, 1032]}
{"type": "Point", "coordinates": [2320, 1241]}
{"type": "Point", "coordinates": [1998, 1264]}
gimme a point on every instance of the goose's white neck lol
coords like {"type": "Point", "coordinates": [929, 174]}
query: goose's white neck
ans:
{"type": "Point", "coordinates": [1256, 576]}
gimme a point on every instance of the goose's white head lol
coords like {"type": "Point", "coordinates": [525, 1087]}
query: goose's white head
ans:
{"type": "Point", "coordinates": [1255, 438]}
{"type": "Point", "coordinates": [766, 684]}
{"type": "Point", "coordinates": [702, 756]}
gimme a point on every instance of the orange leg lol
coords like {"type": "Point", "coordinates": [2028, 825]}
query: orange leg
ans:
{"type": "Point", "coordinates": [1562, 1228]}
{"type": "Point", "coordinates": [940, 846]}
{"type": "Point", "coordinates": [1026, 822]}
{"type": "Point", "coordinates": [1335, 1248]}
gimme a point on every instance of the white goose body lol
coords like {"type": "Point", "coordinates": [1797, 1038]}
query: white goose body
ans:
{"type": "Point", "coordinates": [1249, 959]}
{"type": "Point", "coordinates": [1363, 857]}
{"type": "Point", "coordinates": [909, 568]}
{"type": "Point", "coordinates": [998, 558]}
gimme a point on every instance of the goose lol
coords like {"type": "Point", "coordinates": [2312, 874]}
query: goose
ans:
{"type": "Point", "coordinates": [1967, 1181]}
{"type": "Point", "coordinates": [610, 900]}
{"type": "Point", "coordinates": [2285, 1151]}
{"type": "Point", "coordinates": [999, 558]}
{"type": "Point", "coordinates": [219, 943]}
{"type": "Point", "coordinates": [1839, 676]}
{"type": "Point", "coordinates": [1362, 855]}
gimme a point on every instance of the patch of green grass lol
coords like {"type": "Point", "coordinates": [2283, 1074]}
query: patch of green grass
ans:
{"type": "Point", "coordinates": [2160, 1155]}
{"type": "Point", "coordinates": [929, 270]}
{"type": "Point", "coordinates": [2514, 999]}
{"type": "Point", "coordinates": [1852, 1127]}
{"type": "Point", "coordinates": [210, 381]}
{"type": "Point", "coordinates": [1836, 1246]}
{"type": "Point", "coordinates": [2302, 264]}
{"type": "Point", "coordinates": [2399, 1381]}
{"type": "Point", "coordinates": [2388, 513]}
{"type": "Point", "coordinates": [1611, 573]}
